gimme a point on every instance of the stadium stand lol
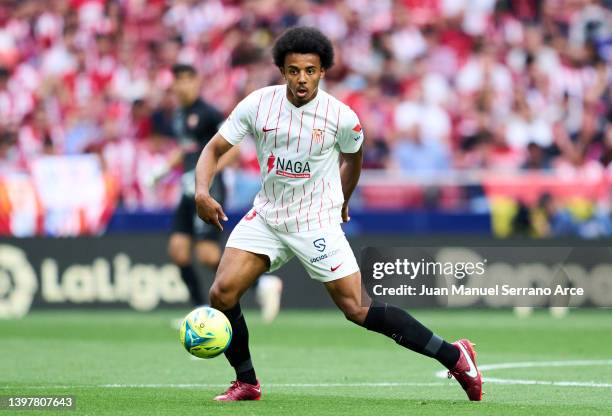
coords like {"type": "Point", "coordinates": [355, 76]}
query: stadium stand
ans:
{"type": "Point", "coordinates": [521, 123]}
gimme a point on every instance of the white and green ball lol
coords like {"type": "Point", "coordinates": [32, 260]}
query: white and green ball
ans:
{"type": "Point", "coordinates": [205, 332]}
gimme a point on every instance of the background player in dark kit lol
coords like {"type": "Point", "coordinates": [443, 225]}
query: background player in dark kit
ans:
{"type": "Point", "coordinates": [195, 122]}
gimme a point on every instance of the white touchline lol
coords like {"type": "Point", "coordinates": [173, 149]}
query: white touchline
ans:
{"type": "Point", "coordinates": [195, 385]}
{"type": "Point", "coordinates": [549, 383]}
{"type": "Point", "coordinates": [440, 374]}
{"type": "Point", "coordinates": [541, 364]}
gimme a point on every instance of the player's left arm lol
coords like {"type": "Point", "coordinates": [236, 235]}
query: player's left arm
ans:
{"type": "Point", "coordinates": [350, 170]}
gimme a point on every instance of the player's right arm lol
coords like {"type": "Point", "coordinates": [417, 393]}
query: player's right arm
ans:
{"type": "Point", "coordinates": [231, 133]}
{"type": "Point", "coordinates": [208, 208]}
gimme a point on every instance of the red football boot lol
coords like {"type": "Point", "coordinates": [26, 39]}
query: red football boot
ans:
{"type": "Point", "coordinates": [466, 372]}
{"type": "Point", "coordinates": [240, 391]}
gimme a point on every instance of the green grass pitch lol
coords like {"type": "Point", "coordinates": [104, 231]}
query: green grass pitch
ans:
{"type": "Point", "coordinates": [309, 363]}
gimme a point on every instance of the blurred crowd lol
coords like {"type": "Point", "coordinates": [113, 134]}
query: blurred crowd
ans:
{"type": "Point", "coordinates": [439, 85]}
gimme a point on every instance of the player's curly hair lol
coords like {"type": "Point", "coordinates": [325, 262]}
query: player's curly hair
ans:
{"type": "Point", "coordinates": [303, 39]}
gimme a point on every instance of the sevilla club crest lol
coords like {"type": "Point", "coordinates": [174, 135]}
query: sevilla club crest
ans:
{"type": "Point", "coordinates": [317, 135]}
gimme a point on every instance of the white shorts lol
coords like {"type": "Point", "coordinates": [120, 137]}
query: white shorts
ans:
{"type": "Point", "coordinates": [325, 253]}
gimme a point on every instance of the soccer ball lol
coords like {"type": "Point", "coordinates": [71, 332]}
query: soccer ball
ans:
{"type": "Point", "coordinates": [205, 332]}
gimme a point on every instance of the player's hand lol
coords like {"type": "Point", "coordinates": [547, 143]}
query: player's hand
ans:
{"type": "Point", "coordinates": [345, 214]}
{"type": "Point", "coordinates": [210, 211]}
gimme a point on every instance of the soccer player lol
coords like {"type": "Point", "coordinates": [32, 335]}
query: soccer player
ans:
{"type": "Point", "coordinates": [194, 125]}
{"type": "Point", "coordinates": [309, 147]}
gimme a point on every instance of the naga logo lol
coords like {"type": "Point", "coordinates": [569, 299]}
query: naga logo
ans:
{"type": "Point", "coordinates": [288, 167]}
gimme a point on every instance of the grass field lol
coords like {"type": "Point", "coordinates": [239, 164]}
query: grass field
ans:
{"type": "Point", "coordinates": [309, 363]}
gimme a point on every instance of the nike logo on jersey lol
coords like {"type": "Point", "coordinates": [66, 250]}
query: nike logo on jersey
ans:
{"type": "Point", "coordinates": [473, 373]}
{"type": "Point", "coordinates": [265, 130]}
{"type": "Point", "coordinates": [333, 269]}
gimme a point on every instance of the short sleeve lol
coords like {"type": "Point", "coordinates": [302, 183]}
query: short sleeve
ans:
{"type": "Point", "coordinates": [350, 133]}
{"type": "Point", "coordinates": [239, 123]}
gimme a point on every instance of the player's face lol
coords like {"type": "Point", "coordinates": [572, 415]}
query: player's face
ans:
{"type": "Point", "coordinates": [302, 71]}
{"type": "Point", "coordinates": [186, 87]}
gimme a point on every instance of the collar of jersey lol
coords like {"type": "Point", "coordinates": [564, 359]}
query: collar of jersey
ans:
{"type": "Point", "coordinates": [305, 106]}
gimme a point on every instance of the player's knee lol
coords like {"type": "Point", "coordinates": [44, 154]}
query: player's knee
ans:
{"type": "Point", "coordinates": [222, 296]}
{"type": "Point", "coordinates": [354, 312]}
{"type": "Point", "coordinates": [211, 262]}
{"type": "Point", "coordinates": [179, 255]}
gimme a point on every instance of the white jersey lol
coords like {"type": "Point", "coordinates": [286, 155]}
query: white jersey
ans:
{"type": "Point", "coordinates": [298, 149]}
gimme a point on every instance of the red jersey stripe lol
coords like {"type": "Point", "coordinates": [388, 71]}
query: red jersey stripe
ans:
{"type": "Point", "coordinates": [289, 131]}
{"type": "Point", "coordinates": [310, 206]}
{"type": "Point", "coordinates": [321, 206]}
{"type": "Point", "coordinates": [280, 108]}
{"type": "Point", "coordinates": [258, 105]}
{"type": "Point", "coordinates": [314, 123]}
{"type": "Point", "coordinates": [324, 127]}
{"type": "Point", "coordinates": [300, 134]}
{"type": "Point", "coordinates": [269, 110]}
{"type": "Point", "coordinates": [301, 198]}
{"type": "Point", "coordinates": [337, 125]}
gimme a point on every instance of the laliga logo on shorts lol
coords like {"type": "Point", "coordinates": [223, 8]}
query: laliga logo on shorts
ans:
{"type": "Point", "coordinates": [17, 282]}
{"type": "Point", "coordinates": [271, 160]}
{"type": "Point", "coordinates": [319, 244]}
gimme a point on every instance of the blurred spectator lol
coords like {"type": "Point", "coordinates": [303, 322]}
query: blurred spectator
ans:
{"type": "Point", "coordinates": [526, 126]}
{"type": "Point", "coordinates": [536, 159]}
{"type": "Point", "coordinates": [9, 154]}
{"type": "Point", "coordinates": [417, 153]}
{"type": "Point", "coordinates": [550, 218]}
